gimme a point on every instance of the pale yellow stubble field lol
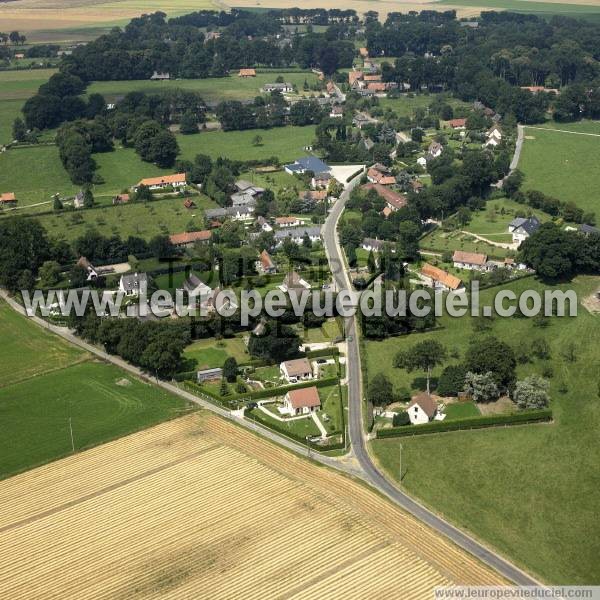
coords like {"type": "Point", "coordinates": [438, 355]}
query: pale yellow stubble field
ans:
{"type": "Point", "coordinates": [198, 508]}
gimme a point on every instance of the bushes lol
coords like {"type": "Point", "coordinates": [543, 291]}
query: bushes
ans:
{"type": "Point", "coordinates": [532, 416]}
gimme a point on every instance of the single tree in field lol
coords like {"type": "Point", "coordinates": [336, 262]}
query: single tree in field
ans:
{"type": "Point", "coordinates": [257, 140]}
{"type": "Point", "coordinates": [88, 198]}
{"type": "Point", "coordinates": [423, 356]}
{"type": "Point", "coordinates": [230, 369]}
{"type": "Point", "coordinates": [380, 392]}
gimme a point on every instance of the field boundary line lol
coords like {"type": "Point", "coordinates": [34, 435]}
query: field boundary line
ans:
{"type": "Point", "coordinates": [82, 360]}
{"type": "Point", "coordinates": [105, 490]}
{"type": "Point", "coordinates": [562, 130]}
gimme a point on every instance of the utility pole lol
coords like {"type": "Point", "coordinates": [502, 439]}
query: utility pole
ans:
{"type": "Point", "coordinates": [400, 469]}
{"type": "Point", "coordinates": [71, 430]}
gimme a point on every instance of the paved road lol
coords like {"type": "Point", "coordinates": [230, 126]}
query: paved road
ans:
{"type": "Point", "coordinates": [518, 147]}
{"type": "Point", "coordinates": [356, 429]}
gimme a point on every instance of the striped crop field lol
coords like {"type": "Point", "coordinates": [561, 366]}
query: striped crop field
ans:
{"type": "Point", "coordinates": [199, 508]}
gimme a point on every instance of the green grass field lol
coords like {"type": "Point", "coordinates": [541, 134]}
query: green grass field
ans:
{"type": "Point", "coordinates": [34, 174]}
{"type": "Point", "coordinates": [20, 85]}
{"type": "Point", "coordinates": [44, 381]}
{"type": "Point", "coordinates": [492, 222]}
{"type": "Point", "coordinates": [210, 353]}
{"type": "Point", "coordinates": [564, 165]}
{"type": "Point", "coordinates": [212, 90]}
{"type": "Point", "coordinates": [160, 217]}
{"type": "Point", "coordinates": [285, 143]}
{"type": "Point", "coordinates": [541, 9]}
{"type": "Point", "coordinates": [406, 105]}
{"type": "Point", "coordinates": [529, 491]}
{"type": "Point", "coordinates": [9, 111]}
{"type": "Point", "coordinates": [449, 241]}
{"type": "Point", "coordinates": [28, 351]}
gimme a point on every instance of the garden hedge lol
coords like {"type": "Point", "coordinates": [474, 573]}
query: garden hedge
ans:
{"type": "Point", "coordinates": [529, 416]}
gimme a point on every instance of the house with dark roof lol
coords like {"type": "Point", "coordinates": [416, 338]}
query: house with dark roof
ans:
{"type": "Point", "coordinates": [372, 245]}
{"type": "Point", "coordinates": [521, 228]}
{"type": "Point", "coordinates": [588, 229]}
{"type": "Point", "coordinates": [307, 163]}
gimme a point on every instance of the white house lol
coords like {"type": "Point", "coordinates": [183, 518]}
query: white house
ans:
{"type": "Point", "coordinates": [296, 370]}
{"type": "Point", "coordinates": [287, 221]}
{"type": "Point", "coordinates": [264, 224]}
{"type": "Point", "coordinates": [301, 402]}
{"type": "Point", "coordinates": [283, 88]}
{"type": "Point", "coordinates": [297, 234]}
{"type": "Point", "coordinates": [422, 409]}
{"type": "Point", "coordinates": [469, 260]}
{"type": "Point", "coordinates": [522, 228]}
{"type": "Point", "coordinates": [494, 136]}
{"type": "Point", "coordinates": [132, 284]}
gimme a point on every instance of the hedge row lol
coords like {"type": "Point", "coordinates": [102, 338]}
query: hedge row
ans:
{"type": "Point", "coordinates": [529, 416]}
{"type": "Point", "coordinates": [259, 394]}
{"type": "Point", "coordinates": [355, 174]}
{"type": "Point", "coordinates": [332, 351]}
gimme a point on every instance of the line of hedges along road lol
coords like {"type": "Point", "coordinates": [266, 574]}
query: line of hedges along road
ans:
{"type": "Point", "coordinates": [520, 418]}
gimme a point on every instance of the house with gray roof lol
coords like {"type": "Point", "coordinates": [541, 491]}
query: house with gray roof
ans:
{"type": "Point", "coordinates": [307, 163]}
{"type": "Point", "coordinates": [297, 234]}
{"type": "Point", "coordinates": [521, 228]}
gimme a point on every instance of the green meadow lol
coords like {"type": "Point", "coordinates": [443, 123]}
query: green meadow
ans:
{"type": "Point", "coordinates": [214, 89]}
{"type": "Point", "coordinates": [562, 164]}
{"type": "Point", "coordinates": [530, 491]}
{"type": "Point", "coordinates": [45, 383]}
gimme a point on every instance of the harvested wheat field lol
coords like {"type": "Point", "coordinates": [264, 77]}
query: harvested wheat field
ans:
{"type": "Point", "coordinates": [199, 508]}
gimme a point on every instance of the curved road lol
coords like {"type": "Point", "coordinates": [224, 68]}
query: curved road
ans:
{"type": "Point", "coordinates": [356, 431]}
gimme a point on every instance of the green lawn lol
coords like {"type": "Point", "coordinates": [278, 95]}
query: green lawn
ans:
{"type": "Point", "coordinates": [326, 333]}
{"type": "Point", "coordinates": [407, 104]}
{"type": "Point", "coordinates": [298, 427]}
{"type": "Point", "coordinates": [331, 405]}
{"type": "Point", "coordinates": [564, 165]}
{"type": "Point", "coordinates": [20, 85]}
{"type": "Point", "coordinates": [492, 222]}
{"type": "Point", "coordinates": [448, 241]}
{"type": "Point", "coordinates": [461, 410]}
{"type": "Point", "coordinates": [34, 174]}
{"type": "Point", "coordinates": [9, 111]}
{"type": "Point", "coordinates": [212, 90]}
{"type": "Point", "coordinates": [531, 491]}
{"type": "Point", "coordinates": [210, 353]}
{"type": "Point", "coordinates": [285, 143]}
{"type": "Point", "coordinates": [160, 217]}
{"type": "Point", "coordinates": [28, 351]}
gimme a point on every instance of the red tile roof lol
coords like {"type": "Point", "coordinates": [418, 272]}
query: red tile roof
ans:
{"type": "Point", "coordinates": [450, 281]}
{"type": "Point", "coordinates": [394, 199]}
{"type": "Point", "coordinates": [179, 239]}
{"type": "Point", "coordinates": [304, 397]}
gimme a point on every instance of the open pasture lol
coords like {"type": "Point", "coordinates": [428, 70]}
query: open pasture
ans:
{"type": "Point", "coordinates": [564, 164]}
{"type": "Point", "coordinates": [232, 510]}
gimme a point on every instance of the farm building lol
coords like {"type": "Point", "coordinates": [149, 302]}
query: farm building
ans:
{"type": "Point", "coordinates": [7, 198]}
{"type": "Point", "coordinates": [307, 163]}
{"type": "Point", "coordinates": [188, 238]}
{"type": "Point", "coordinates": [247, 73]}
{"type": "Point", "coordinates": [178, 181]}
{"type": "Point", "coordinates": [209, 374]}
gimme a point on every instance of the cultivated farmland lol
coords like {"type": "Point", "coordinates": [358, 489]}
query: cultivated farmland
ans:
{"type": "Point", "coordinates": [199, 508]}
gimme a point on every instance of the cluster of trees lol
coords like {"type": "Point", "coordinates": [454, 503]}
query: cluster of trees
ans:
{"type": "Point", "coordinates": [492, 62]}
{"type": "Point", "coordinates": [59, 100]}
{"type": "Point", "coordinates": [77, 141]}
{"type": "Point", "coordinates": [401, 229]}
{"type": "Point", "coordinates": [279, 342]}
{"type": "Point", "coordinates": [155, 346]}
{"type": "Point", "coordinates": [14, 37]}
{"type": "Point", "coordinates": [556, 254]}
{"type": "Point", "coordinates": [179, 47]}
{"type": "Point", "coordinates": [266, 113]}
